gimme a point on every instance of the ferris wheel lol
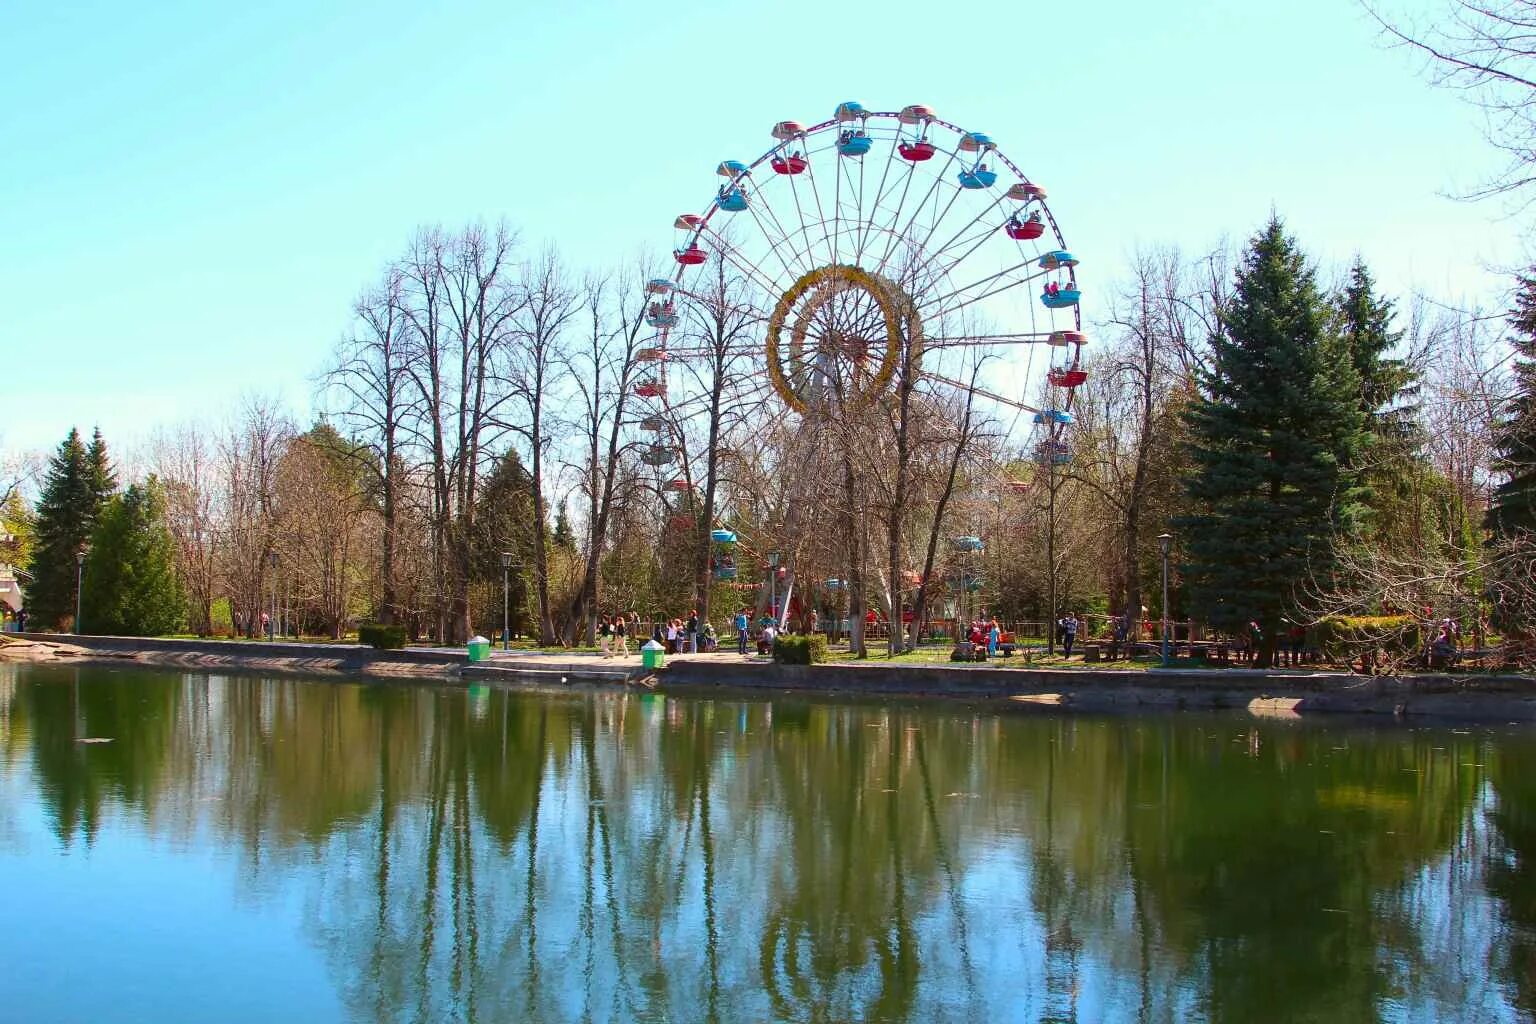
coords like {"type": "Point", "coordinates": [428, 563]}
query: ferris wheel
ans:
{"type": "Point", "coordinates": [874, 245]}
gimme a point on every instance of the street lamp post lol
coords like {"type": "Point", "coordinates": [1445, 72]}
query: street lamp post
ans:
{"type": "Point", "coordinates": [1164, 542]}
{"type": "Point", "coordinates": [272, 561]}
{"type": "Point", "coordinates": [79, 586]}
{"type": "Point", "coordinates": [506, 604]}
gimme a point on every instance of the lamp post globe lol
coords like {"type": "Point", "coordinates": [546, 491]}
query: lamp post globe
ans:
{"type": "Point", "coordinates": [1164, 543]}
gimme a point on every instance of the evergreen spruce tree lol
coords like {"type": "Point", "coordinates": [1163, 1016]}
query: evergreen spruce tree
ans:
{"type": "Point", "coordinates": [1512, 515]}
{"type": "Point", "coordinates": [1364, 325]}
{"type": "Point", "coordinates": [131, 586]}
{"type": "Point", "coordinates": [1273, 435]}
{"type": "Point", "coordinates": [103, 482]}
{"type": "Point", "coordinates": [66, 514]}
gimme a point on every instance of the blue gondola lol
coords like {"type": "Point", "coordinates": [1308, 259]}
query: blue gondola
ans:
{"type": "Point", "coordinates": [731, 168]}
{"type": "Point", "coordinates": [1055, 453]}
{"type": "Point", "coordinates": [1057, 260]}
{"type": "Point", "coordinates": [1054, 416]}
{"type": "Point", "coordinates": [725, 572]}
{"type": "Point", "coordinates": [661, 314]}
{"type": "Point", "coordinates": [1063, 299]}
{"type": "Point", "coordinates": [723, 536]}
{"type": "Point", "coordinates": [658, 286]}
{"type": "Point", "coordinates": [833, 584]}
{"type": "Point", "coordinates": [849, 110]}
{"type": "Point", "coordinates": [853, 143]}
{"type": "Point", "coordinates": [732, 200]}
{"type": "Point", "coordinates": [979, 177]}
{"type": "Point", "coordinates": [967, 543]}
{"type": "Point", "coordinates": [976, 142]}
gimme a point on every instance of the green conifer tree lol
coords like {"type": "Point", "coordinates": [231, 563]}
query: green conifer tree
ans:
{"type": "Point", "coordinates": [131, 586]}
{"type": "Point", "coordinates": [1363, 323]}
{"type": "Point", "coordinates": [103, 481]}
{"type": "Point", "coordinates": [1513, 512]}
{"type": "Point", "coordinates": [1273, 435]}
{"type": "Point", "coordinates": [66, 515]}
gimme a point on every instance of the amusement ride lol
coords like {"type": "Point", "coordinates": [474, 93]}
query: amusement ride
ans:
{"type": "Point", "coordinates": [873, 245]}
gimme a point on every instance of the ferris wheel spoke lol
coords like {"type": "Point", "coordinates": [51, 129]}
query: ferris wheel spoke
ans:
{"type": "Point", "coordinates": [922, 246]}
{"type": "Point", "coordinates": [977, 340]}
{"type": "Point", "coordinates": [821, 215]}
{"type": "Point", "coordinates": [984, 393]}
{"type": "Point", "coordinates": [805, 228]}
{"type": "Point", "coordinates": [740, 262]}
{"type": "Point", "coordinates": [980, 240]}
{"type": "Point", "coordinates": [773, 244]}
{"type": "Point", "coordinates": [972, 223]}
{"type": "Point", "coordinates": [896, 236]}
{"type": "Point", "coordinates": [973, 299]}
{"type": "Point", "coordinates": [809, 262]}
{"type": "Point", "coordinates": [837, 207]}
{"type": "Point", "coordinates": [869, 221]}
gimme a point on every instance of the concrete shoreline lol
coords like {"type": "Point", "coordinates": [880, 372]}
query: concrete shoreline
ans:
{"type": "Point", "coordinates": [1489, 698]}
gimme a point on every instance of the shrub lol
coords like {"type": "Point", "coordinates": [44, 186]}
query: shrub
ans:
{"type": "Point", "coordinates": [1348, 636]}
{"type": "Point", "coordinates": [381, 637]}
{"type": "Point", "coordinates": [794, 649]}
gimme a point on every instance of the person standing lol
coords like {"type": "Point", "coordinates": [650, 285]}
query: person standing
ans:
{"type": "Point", "coordinates": [621, 635]}
{"type": "Point", "coordinates": [693, 632]}
{"type": "Point", "coordinates": [1068, 634]}
{"type": "Point", "coordinates": [671, 636]}
{"type": "Point", "coordinates": [741, 631]}
{"type": "Point", "coordinates": [604, 635]}
{"type": "Point", "coordinates": [993, 635]}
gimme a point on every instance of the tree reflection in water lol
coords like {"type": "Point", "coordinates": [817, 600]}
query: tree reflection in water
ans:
{"type": "Point", "coordinates": [485, 855]}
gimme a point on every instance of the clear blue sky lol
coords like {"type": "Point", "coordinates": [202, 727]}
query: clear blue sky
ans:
{"type": "Point", "coordinates": [192, 194]}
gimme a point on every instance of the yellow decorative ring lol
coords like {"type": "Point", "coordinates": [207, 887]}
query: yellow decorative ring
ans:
{"type": "Point", "coordinates": [833, 275]}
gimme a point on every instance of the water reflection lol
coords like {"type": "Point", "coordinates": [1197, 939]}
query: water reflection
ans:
{"type": "Point", "coordinates": [482, 855]}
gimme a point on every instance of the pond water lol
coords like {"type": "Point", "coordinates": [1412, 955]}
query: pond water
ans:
{"type": "Point", "coordinates": [255, 850]}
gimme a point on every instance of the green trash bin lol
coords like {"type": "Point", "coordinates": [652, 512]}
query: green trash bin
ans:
{"type": "Point", "coordinates": [653, 655]}
{"type": "Point", "coordinates": [479, 649]}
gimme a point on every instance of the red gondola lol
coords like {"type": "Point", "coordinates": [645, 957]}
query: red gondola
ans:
{"type": "Point", "coordinates": [793, 164]}
{"type": "Point", "coordinates": [691, 256]}
{"type": "Point", "coordinates": [678, 484]}
{"type": "Point", "coordinates": [682, 522]}
{"type": "Point", "coordinates": [1024, 230]}
{"type": "Point", "coordinates": [651, 389]}
{"type": "Point", "coordinates": [918, 151]}
{"type": "Point", "coordinates": [1067, 378]}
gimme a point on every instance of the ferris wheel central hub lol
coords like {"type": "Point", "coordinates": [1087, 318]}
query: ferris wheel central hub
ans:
{"type": "Point", "coordinates": [847, 331]}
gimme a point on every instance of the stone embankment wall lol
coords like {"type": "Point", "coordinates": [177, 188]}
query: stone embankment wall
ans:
{"type": "Point", "coordinates": [1489, 698]}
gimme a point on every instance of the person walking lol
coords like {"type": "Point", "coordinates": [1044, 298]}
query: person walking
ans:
{"type": "Point", "coordinates": [604, 635]}
{"type": "Point", "coordinates": [741, 631]}
{"type": "Point", "coordinates": [1068, 634]}
{"type": "Point", "coordinates": [993, 635]}
{"type": "Point", "coordinates": [671, 636]}
{"type": "Point", "coordinates": [621, 634]}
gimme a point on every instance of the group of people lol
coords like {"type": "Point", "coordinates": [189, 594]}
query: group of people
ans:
{"type": "Point", "coordinates": [678, 636]}
{"type": "Point", "coordinates": [987, 633]}
{"type": "Point", "coordinates": [613, 633]}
